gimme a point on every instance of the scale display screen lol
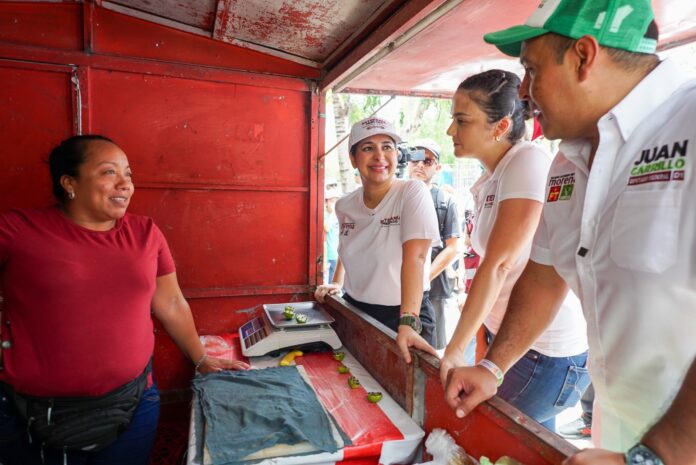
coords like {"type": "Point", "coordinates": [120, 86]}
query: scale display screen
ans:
{"type": "Point", "coordinates": [253, 331]}
{"type": "Point", "coordinates": [271, 331]}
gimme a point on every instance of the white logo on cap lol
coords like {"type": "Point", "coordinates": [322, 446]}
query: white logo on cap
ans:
{"type": "Point", "coordinates": [621, 14]}
{"type": "Point", "coordinates": [542, 13]}
{"type": "Point", "coordinates": [373, 123]}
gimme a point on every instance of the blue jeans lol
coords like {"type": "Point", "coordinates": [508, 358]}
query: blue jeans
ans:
{"type": "Point", "coordinates": [132, 447]}
{"type": "Point", "coordinates": [332, 270]}
{"type": "Point", "coordinates": [543, 386]}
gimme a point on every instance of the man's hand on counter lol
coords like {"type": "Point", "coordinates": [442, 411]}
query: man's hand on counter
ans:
{"type": "Point", "coordinates": [595, 457]}
{"type": "Point", "coordinates": [467, 387]}
{"type": "Point", "coordinates": [407, 337]}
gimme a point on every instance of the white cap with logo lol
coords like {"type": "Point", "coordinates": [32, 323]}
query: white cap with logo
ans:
{"type": "Point", "coordinates": [371, 127]}
{"type": "Point", "coordinates": [428, 144]}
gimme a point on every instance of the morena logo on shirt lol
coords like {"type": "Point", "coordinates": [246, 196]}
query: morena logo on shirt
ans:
{"type": "Point", "coordinates": [561, 187]}
{"type": "Point", "coordinates": [345, 227]}
{"type": "Point", "coordinates": [659, 164]}
{"type": "Point", "coordinates": [489, 201]}
{"type": "Point", "coordinates": [391, 221]}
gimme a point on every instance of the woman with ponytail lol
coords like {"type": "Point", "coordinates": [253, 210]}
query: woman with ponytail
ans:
{"type": "Point", "coordinates": [488, 125]}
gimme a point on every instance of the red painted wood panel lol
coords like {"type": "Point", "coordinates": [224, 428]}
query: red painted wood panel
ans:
{"type": "Point", "coordinates": [36, 114]}
{"type": "Point", "coordinates": [119, 34]}
{"type": "Point", "coordinates": [209, 133]}
{"type": "Point", "coordinates": [494, 429]}
{"type": "Point", "coordinates": [223, 239]}
{"type": "Point", "coordinates": [207, 154]}
{"type": "Point", "coordinates": [196, 13]}
{"type": "Point", "coordinates": [42, 25]}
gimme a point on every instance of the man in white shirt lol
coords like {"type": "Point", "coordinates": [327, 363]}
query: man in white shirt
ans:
{"type": "Point", "coordinates": [617, 225]}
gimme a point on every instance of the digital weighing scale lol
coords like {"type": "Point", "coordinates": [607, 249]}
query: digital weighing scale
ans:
{"type": "Point", "coordinates": [271, 331]}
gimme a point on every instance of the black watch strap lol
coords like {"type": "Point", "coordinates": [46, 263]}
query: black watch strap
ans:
{"type": "Point", "coordinates": [409, 319]}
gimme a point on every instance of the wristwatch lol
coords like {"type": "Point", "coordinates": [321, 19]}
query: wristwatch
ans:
{"type": "Point", "coordinates": [642, 455]}
{"type": "Point", "coordinates": [409, 319]}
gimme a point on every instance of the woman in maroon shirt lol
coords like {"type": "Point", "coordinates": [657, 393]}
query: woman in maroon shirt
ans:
{"type": "Point", "coordinates": [79, 281]}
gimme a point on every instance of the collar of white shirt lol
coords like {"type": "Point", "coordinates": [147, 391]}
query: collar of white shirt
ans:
{"type": "Point", "coordinates": [647, 96]}
{"type": "Point", "coordinates": [640, 103]}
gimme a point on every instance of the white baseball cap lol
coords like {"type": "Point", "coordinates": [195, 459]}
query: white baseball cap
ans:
{"type": "Point", "coordinates": [428, 144]}
{"type": "Point", "coordinates": [371, 127]}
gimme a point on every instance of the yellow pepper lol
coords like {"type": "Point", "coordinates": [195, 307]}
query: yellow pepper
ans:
{"type": "Point", "coordinates": [290, 357]}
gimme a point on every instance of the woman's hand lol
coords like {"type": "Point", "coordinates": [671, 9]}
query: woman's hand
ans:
{"type": "Point", "coordinates": [407, 337]}
{"type": "Point", "coordinates": [326, 289]}
{"type": "Point", "coordinates": [213, 365]}
{"type": "Point", "coordinates": [452, 358]}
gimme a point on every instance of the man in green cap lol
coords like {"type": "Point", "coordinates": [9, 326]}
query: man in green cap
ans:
{"type": "Point", "coordinates": [618, 226]}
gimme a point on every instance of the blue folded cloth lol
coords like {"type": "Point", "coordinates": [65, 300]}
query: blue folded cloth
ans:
{"type": "Point", "coordinates": [248, 411]}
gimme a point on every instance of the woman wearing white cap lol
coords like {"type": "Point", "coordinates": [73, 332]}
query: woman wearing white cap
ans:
{"type": "Point", "coordinates": [387, 228]}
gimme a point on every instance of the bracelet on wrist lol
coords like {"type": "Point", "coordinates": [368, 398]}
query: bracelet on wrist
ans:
{"type": "Point", "coordinates": [494, 369]}
{"type": "Point", "coordinates": [201, 361]}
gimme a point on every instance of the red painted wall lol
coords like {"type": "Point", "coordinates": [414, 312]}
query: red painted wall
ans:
{"type": "Point", "coordinates": [224, 157]}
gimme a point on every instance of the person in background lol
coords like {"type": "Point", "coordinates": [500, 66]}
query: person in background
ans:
{"type": "Point", "coordinates": [580, 428]}
{"type": "Point", "coordinates": [331, 195]}
{"type": "Point", "coordinates": [330, 184]}
{"type": "Point", "coordinates": [488, 123]}
{"type": "Point", "coordinates": [470, 259]}
{"type": "Point", "coordinates": [424, 166]}
{"type": "Point", "coordinates": [79, 281]}
{"type": "Point", "coordinates": [618, 226]}
{"type": "Point", "coordinates": [387, 228]}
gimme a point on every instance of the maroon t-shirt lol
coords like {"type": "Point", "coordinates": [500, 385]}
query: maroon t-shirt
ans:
{"type": "Point", "coordinates": [77, 302]}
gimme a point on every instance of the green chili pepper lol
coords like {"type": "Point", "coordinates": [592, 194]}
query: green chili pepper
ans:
{"type": "Point", "coordinates": [343, 369]}
{"type": "Point", "coordinates": [300, 318]}
{"type": "Point", "coordinates": [339, 356]}
{"type": "Point", "coordinates": [374, 397]}
{"type": "Point", "coordinates": [353, 382]}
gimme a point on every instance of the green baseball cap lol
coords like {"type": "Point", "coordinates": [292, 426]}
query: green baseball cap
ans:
{"type": "Point", "coordinates": [614, 23]}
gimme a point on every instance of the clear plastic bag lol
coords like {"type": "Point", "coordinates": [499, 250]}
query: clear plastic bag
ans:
{"type": "Point", "coordinates": [441, 446]}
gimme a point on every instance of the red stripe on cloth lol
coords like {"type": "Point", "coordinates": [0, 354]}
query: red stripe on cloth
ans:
{"type": "Point", "coordinates": [358, 461]}
{"type": "Point", "coordinates": [365, 423]}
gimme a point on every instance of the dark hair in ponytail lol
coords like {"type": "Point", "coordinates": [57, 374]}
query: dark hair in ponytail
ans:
{"type": "Point", "coordinates": [496, 92]}
{"type": "Point", "coordinates": [66, 158]}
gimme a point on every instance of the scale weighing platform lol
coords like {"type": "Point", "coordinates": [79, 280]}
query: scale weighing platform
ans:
{"type": "Point", "coordinates": [271, 331]}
